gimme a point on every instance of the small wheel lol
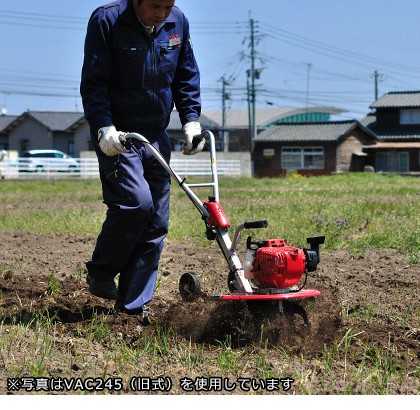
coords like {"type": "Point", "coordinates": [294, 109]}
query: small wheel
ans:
{"type": "Point", "coordinates": [189, 287]}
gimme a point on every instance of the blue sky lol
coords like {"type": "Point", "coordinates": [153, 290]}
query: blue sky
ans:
{"type": "Point", "coordinates": [318, 52]}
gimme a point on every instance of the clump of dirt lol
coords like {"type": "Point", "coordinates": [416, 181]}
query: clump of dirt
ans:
{"type": "Point", "coordinates": [295, 326]}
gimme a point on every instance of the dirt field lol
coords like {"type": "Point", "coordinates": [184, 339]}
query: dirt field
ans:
{"type": "Point", "coordinates": [368, 295]}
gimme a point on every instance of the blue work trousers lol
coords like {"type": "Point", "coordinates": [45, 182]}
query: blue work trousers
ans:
{"type": "Point", "coordinates": [136, 190]}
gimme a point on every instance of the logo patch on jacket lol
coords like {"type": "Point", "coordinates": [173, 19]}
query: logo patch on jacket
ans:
{"type": "Point", "coordinates": [174, 41]}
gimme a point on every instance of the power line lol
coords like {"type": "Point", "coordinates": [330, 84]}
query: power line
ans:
{"type": "Point", "coordinates": [39, 20]}
{"type": "Point", "coordinates": [334, 52]}
{"type": "Point", "coordinates": [39, 16]}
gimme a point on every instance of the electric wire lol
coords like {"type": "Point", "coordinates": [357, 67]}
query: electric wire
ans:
{"type": "Point", "coordinates": [292, 73]}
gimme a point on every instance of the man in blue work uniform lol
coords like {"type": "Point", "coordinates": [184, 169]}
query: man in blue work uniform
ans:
{"type": "Point", "coordinates": [138, 65]}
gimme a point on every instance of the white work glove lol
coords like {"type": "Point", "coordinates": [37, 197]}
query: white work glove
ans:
{"type": "Point", "coordinates": [109, 141]}
{"type": "Point", "coordinates": [192, 129]}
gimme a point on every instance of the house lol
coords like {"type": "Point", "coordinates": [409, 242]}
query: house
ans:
{"type": "Point", "coordinates": [63, 131]}
{"type": "Point", "coordinates": [396, 123]}
{"type": "Point", "coordinates": [235, 132]}
{"type": "Point", "coordinates": [312, 148]}
{"type": "Point", "coordinates": [5, 121]}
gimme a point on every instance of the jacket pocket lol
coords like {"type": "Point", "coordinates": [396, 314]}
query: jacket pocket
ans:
{"type": "Point", "coordinates": [167, 63]}
{"type": "Point", "coordinates": [131, 66]}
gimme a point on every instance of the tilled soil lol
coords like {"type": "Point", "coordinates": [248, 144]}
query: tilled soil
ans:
{"type": "Point", "coordinates": [369, 294]}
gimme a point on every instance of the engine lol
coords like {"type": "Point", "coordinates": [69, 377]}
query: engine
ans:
{"type": "Point", "coordinates": [275, 264]}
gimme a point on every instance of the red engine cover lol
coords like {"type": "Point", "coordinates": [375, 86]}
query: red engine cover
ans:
{"type": "Point", "coordinates": [278, 266]}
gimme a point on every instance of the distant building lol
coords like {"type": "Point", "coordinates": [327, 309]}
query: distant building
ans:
{"type": "Point", "coordinates": [63, 131]}
{"type": "Point", "coordinates": [396, 123]}
{"type": "Point", "coordinates": [311, 148]}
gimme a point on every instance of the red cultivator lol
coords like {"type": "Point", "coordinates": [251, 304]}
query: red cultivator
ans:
{"type": "Point", "coordinates": [272, 269]}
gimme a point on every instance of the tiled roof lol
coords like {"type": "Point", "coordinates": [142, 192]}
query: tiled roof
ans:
{"type": "Point", "coordinates": [368, 120]}
{"type": "Point", "coordinates": [6, 120]}
{"type": "Point", "coordinates": [403, 99]}
{"type": "Point", "coordinates": [55, 120]}
{"type": "Point", "coordinates": [325, 131]}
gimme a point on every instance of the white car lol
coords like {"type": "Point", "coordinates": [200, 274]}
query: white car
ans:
{"type": "Point", "coordinates": [47, 160]}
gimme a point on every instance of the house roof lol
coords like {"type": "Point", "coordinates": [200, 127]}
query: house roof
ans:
{"type": "Point", "coordinates": [239, 118]}
{"type": "Point", "coordinates": [400, 99]}
{"type": "Point", "coordinates": [5, 121]}
{"type": "Point", "coordinates": [369, 120]}
{"type": "Point", "coordinates": [323, 131]}
{"type": "Point", "coordinates": [57, 121]}
{"type": "Point", "coordinates": [52, 120]}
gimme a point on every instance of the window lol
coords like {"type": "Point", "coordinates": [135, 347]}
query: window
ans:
{"type": "Point", "coordinates": [24, 145]}
{"type": "Point", "coordinates": [44, 155]}
{"type": "Point", "coordinates": [410, 116]}
{"type": "Point", "coordinates": [392, 162]}
{"type": "Point", "coordinates": [302, 158]}
{"type": "Point", "coordinates": [291, 158]}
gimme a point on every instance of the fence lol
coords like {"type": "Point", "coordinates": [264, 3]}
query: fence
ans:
{"type": "Point", "coordinates": [87, 168]}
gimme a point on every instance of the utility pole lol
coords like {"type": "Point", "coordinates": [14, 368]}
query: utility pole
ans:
{"type": "Point", "coordinates": [225, 96]}
{"type": "Point", "coordinates": [248, 94]}
{"type": "Point", "coordinates": [253, 74]}
{"type": "Point", "coordinates": [252, 91]}
{"type": "Point", "coordinates": [309, 65]}
{"type": "Point", "coordinates": [376, 74]}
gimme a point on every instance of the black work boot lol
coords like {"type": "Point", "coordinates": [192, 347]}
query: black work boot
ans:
{"type": "Point", "coordinates": [143, 313]}
{"type": "Point", "coordinates": [104, 288]}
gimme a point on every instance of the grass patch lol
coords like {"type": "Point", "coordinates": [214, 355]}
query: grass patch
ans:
{"type": "Point", "coordinates": [353, 211]}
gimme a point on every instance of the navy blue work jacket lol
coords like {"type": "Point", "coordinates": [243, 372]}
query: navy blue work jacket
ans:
{"type": "Point", "coordinates": [132, 79]}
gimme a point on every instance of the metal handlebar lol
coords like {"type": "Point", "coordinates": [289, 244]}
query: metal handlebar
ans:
{"type": "Point", "coordinates": [181, 181]}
